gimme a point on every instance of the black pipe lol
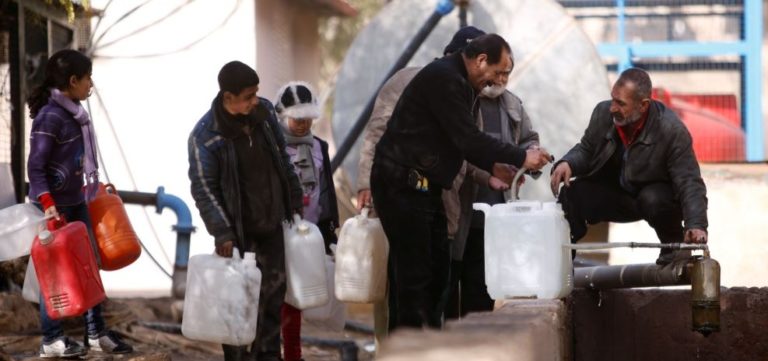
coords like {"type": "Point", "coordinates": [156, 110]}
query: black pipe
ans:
{"type": "Point", "coordinates": [463, 13]}
{"type": "Point", "coordinates": [347, 349]}
{"type": "Point", "coordinates": [359, 327]}
{"type": "Point", "coordinates": [641, 3]}
{"type": "Point", "coordinates": [633, 275]}
{"type": "Point", "coordinates": [362, 120]}
{"type": "Point", "coordinates": [140, 198]}
{"type": "Point", "coordinates": [166, 327]}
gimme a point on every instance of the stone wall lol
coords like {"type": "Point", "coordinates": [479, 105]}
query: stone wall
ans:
{"type": "Point", "coordinates": [655, 324]}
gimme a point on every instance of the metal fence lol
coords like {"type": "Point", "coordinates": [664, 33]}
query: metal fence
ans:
{"type": "Point", "coordinates": [704, 60]}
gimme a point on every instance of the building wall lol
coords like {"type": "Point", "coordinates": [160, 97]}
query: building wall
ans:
{"type": "Point", "coordinates": [153, 102]}
{"type": "Point", "coordinates": [287, 38]}
{"type": "Point", "coordinates": [150, 105]}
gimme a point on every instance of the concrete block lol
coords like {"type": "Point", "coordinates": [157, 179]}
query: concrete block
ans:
{"type": "Point", "coordinates": [520, 330]}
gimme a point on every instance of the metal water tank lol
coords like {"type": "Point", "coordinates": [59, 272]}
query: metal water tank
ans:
{"type": "Point", "coordinates": [558, 73]}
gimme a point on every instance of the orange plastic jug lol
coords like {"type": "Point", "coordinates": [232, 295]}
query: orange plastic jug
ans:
{"type": "Point", "coordinates": [118, 244]}
{"type": "Point", "coordinates": [66, 270]}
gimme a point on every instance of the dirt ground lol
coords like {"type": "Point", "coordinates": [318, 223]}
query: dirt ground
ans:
{"type": "Point", "coordinates": [135, 320]}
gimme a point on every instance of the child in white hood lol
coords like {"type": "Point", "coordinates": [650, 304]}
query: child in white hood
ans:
{"type": "Point", "coordinates": [297, 108]}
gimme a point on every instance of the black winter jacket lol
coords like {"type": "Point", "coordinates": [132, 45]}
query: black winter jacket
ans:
{"type": "Point", "coordinates": [214, 175]}
{"type": "Point", "coordinates": [433, 130]}
{"type": "Point", "coordinates": [662, 152]}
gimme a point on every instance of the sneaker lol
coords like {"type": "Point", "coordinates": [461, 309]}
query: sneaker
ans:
{"type": "Point", "coordinates": [109, 342]}
{"type": "Point", "coordinates": [62, 347]}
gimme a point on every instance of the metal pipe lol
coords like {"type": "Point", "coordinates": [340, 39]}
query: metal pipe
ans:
{"type": "Point", "coordinates": [463, 4]}
{"type": "Point", "coordinates": [360, 327]}
{"type": "Point", "coordinates": [443, 8]}
{"type": "Point", "coordinates": [753, 75]}
{"type": "Point", "coordinates": [140, 198]}
{"type": "Point", "coordinates": [705, 295]}
{"type": "Point", "coordinates": [183, 229]}
{"type": "Point", "coordinates": [633, 275]}
{"type": "Point", "coordinates": [702, 273]}
{"type": "Point", "coordinates": [598, 246]}
{"type": "Point", "coordinates": [347, 349]}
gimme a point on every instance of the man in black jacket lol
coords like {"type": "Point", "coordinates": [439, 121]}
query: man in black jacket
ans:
{"type": "Point", "coordinates": [244, 186]}
{"type": "Point", "coordinates": [635, 161]}
{"type": "Point", "coordinates": [431, 132]}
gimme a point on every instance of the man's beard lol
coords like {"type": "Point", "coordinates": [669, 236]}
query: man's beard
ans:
{"type": "Point", "coordinates": [493, 91]}
{"type": "Point", "coordinates": [623, 122]}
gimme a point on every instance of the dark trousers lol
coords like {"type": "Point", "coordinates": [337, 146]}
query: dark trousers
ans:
{"type": "Point", "coordinates": [270, 256]}
{"type": "Point", "coordinates": [94, 322]}
{"type": "Point", "coordinates": [468, 290]}
{"type": "Point", "coordinates": [589, 201]}
{"type": "Point", "coordinates": [419, 253]}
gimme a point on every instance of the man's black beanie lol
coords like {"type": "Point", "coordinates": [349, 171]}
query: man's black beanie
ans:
{"type": "Point", "coordinates": [461, 39]}
{"type": "Point", "coordinates": [236, 76]}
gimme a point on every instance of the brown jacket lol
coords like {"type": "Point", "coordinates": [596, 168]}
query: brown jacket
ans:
{"type": "Point", "coordinates": [377, 124]}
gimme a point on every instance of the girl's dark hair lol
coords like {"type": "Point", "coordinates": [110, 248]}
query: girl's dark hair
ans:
{"type": "Point", "coordinates": [58, 70]}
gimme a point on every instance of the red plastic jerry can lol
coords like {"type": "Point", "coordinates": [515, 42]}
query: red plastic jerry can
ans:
{"type": "Point", "coordinates": [118, 244]}
{"type": "Point", "coordinates": [67, 271]}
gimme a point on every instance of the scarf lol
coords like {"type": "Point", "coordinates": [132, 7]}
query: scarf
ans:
{"type": "Point", "coordinates": [91, 164]}
{"type": "Point", "coordinates": [304, 162]}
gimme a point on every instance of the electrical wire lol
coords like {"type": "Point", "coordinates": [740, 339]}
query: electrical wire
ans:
{"type": "Point", "coordinates": [96, 27]}
{"type": "Point", "coordinates": [98, 148]}
{"type": "Point", "coordinates": [145, 27]}
{"type": "Point", "coordinates": [94, 46]}
{"type": "Point", "coordinates": [181, 49]}
{"type": "Point", "coordinates": [120, 19]}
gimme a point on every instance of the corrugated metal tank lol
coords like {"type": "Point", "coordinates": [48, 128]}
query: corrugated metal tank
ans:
{"type": "Point", "coordinates": [558, 73]}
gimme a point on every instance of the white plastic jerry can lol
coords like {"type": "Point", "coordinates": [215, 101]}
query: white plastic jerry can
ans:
{"type": "Point", "coordinates": [524, 253]}
{"type": "Point", "coordinates": [221, 302]}
{"type": "Point", "coordinates": [361, 260]}
{"type": "Point", "coordinates": [304, 265]}
{"type": "Point", "coordinates": [330, 316]}
{"type": "Point", "coordinates": [31, 289]}
{"type": "Point", "coordinates": [19, 225]}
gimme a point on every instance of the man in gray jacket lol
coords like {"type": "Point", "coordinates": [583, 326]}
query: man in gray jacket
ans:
{"type": "Point", "coordinates": [635, 161]}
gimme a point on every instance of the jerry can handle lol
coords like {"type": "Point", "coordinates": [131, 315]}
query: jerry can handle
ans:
{"type": "Point", "coordinates": [110, 188]}
{"type": "Point", "coordinates": [513, 193]}
{"type": "Point", "coordinates": [53, 224]}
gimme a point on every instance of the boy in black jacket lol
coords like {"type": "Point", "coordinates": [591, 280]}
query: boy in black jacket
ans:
{"type": "Point", "coordinates": [244, 186]}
